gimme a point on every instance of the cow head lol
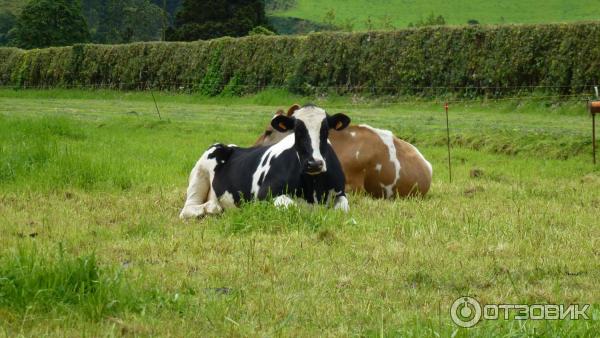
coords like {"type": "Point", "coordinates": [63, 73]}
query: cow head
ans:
{"type": "Point", "coordinates": [272, 136]}
{"type": "Point", "coordinates": [311, 125]}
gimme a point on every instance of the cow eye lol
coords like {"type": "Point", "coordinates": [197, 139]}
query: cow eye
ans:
{"type": "Point", "coordinates": [268, 132]}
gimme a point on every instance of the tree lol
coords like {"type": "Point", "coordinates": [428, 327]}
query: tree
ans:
{"type": "Point", "coordinates": [7, 22]}
{"type": "Point", "coordinates": [279, 5]}
{"type": "Point", "coordinates": [261, 30]}
{"type": "Point", "coordinates": [45, 23]}
{"type": "Point", "coordinates": [170, 6]}
{"type": "Point", "coordinates": [207, 19]}
{"type": "Point", "coordinates": [122, 21]}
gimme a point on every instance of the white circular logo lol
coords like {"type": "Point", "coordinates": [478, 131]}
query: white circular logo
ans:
{"type": "Point", "coordinates": [465, 312]}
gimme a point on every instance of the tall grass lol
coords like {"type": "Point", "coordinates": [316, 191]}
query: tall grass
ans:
{"type": "Point", "coordinates": [31, 281]}
{"type": "Point", "coordinates": [46, 150]}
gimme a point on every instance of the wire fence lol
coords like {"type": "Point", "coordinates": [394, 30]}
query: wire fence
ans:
{"type": "Point", "coordinates": [468, 123]}
{"type": "Point", "coordinates": [465, 127]}
{"type": "Point", "coordinates": [394, 95]}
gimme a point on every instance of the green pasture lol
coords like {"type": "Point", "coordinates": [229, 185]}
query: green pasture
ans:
{"type": "Point", "coordinates": [91, 184]}
{"type": "Point", "coordinates": [385, 14]}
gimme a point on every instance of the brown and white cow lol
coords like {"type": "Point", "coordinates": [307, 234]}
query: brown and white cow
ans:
{"type": "Point", "coordinates": [373, 160]}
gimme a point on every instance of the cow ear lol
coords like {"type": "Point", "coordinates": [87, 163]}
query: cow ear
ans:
{"type": "Point", "coordinates": [338, 121]}
{"type": "Point", "coordinates": [293, 109]}
{"type": "Point", "coordinates": [283, 123]}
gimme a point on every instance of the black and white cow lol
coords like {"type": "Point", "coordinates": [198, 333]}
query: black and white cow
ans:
{"type": "Point", "coordinates": [303, 165]}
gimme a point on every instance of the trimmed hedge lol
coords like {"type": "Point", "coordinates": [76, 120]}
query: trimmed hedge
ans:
{"type": "Point", "coordinates": [469, 61]}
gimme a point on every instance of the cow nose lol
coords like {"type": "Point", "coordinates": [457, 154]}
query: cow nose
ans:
{"type": "Point", "coordinates": [315, 165]}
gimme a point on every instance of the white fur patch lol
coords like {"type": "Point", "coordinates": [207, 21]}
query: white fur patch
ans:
{"type": "Point", "coordinates": [283, 201]}
{"type": "Point", "coordinates": [264, 166]}
{"type": "Point", "coordinates": [341, 203]}
{"type": "Point", "coordinates": [192, 211]}
{"type": "Point", "coordinates": [201, 198]}
{"type": "Point", "coordinates": [378, 167]}
{"type": "Point", "coordinates": [227, 200]}
{"type": "Point", "coordinates": [387, 138]}
{"type": "Point", "coordinates": [353, 133]}
{"type": "Point", "coordinates": [357, 153]}
{"type": "Point", "coordinates": [424, 160]}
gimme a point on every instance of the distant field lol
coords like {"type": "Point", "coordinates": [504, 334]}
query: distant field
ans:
{"type": "Point", "coordinates": [457, 12]}
{"type": "Point", "coordinates": [91, 183]}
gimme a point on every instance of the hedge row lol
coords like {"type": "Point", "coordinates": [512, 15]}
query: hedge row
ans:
{"type": "Point", "coordinates": [474, 60]}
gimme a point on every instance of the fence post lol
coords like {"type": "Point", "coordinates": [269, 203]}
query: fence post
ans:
{"type": "Point", "coordinates": [594, 136]}
{"type": "Point", "coordinates": [448, 140]}
{"type": "Point", "coordinates": [594, 108]}
{"type": "Point", "coordinates": [155, 104]}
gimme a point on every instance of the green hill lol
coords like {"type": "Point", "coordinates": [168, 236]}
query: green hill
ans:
{"type": "Point", "coordinates": [399, 13]}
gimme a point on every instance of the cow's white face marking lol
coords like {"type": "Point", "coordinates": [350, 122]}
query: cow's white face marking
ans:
{"type": "Point", "coordinates": [387, 138]}
{"type": "Point", "coordinates": [313, 118]}
{"type": "Point", "coordinates": [265, 161]}
{"type": "Point", "coordinates": [378, 167]}
{"type": "Point", "coordinates": [357, 153]}
{"type": "Point", "coordinates": [353, 133]}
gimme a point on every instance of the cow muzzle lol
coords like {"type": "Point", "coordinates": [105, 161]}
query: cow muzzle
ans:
{"type": "Point", "coordinates": [314, 167]}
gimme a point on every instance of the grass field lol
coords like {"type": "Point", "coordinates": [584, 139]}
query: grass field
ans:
{"type": "Point", "coordinates": [400, 13]}
{"type": "Point", "coordinates": [91, 184]}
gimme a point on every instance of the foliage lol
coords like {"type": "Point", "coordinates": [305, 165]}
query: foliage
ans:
{"type": "Point", "coordinates": [171, 6]}
{"type": "Point", "coordinates": [431, 20]}
{"type": "Point", "coordinates": [44, 23]}
{"type": "Point", "coordinates": [12, 6]}
{"type": "Point", "coordinates": [7, 22]}
{"type": "Point", "coordinates": [468, 61]}
{"type": "Point", "coordinates": [261, 30]}
{"type": "Point", "coordinates": [212, 82]}
{"type": "Point", "coordinates": [123, 21]}
{"type": "Point", "coordinates": [279, 5]}
{"type": "Point", "coordinates": [289, 26]}
{"type": "Point", "coordinates": [207, 19]}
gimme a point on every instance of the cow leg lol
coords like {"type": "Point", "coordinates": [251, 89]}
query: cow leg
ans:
{"type": "Point", "coordinates": [201, 198]}
{"type": "Point", "coordinates": [212, 207]}
{"type": "Point", "coordinates": [341, 203]}
{"type": "Point", "coordinates": [283, 201]}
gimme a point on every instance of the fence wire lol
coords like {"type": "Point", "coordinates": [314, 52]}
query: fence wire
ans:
{"type": "Point", "coordinates": [419, 94]}
{"type": "Point", "coordinates": [465, 127]}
